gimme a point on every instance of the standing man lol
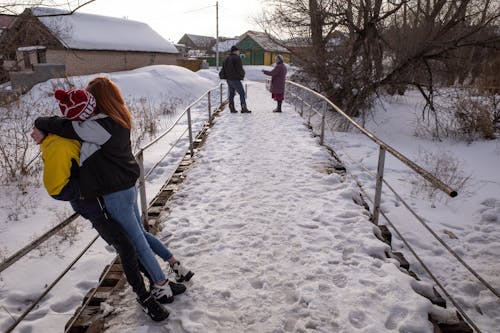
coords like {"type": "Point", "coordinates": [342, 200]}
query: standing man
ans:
{"type": "Point", "coordinates": [234, 73]}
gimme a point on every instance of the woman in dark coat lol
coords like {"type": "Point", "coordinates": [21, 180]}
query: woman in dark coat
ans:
{"type": "Point", "coordinates": [278, 75]}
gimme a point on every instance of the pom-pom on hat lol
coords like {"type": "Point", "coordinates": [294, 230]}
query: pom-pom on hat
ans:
{"type": "Point", "coordinates": [75, 104]}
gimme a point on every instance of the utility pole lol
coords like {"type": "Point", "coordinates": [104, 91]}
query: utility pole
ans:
{"type": "Point", "coordinates": [217, 35]}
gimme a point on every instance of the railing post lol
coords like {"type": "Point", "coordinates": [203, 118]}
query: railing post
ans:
{"type": "Point", "coordinates": [190, 132]}
{"type": "Point", "coordinates": [378, 186]}
{"type": "Point", "coordinates": [246, 90]}
{"type": "Point", "coordinates": [209, 109]}
{"type": "Point", "coordinates": [142, 189]}
{"type": "Point", "coordinates": [322, 135]}
{"type": "Point", "coordinates": [302, 107]}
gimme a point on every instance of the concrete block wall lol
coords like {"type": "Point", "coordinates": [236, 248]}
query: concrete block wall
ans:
{"type": "Point", "coordinates": [24, 81]}
{"type": "Point", "coordinates": [81, 62]}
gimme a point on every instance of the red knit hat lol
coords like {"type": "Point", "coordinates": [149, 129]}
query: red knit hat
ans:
{"type": "Point", "coordinates": [75, 104]}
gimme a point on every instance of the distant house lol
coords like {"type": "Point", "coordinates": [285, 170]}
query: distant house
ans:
{"type": "Point", "coordinates": [258, 48]}
{"type": "Point", "coordinates": [197, 46]}
{"type": "Point", "coordinates": [83, 43]}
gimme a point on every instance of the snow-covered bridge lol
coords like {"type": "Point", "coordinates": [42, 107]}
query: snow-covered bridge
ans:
{"type": "Point", "coordinates": [276, 241]}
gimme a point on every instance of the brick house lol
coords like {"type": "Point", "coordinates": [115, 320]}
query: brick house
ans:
{"type": "Point", "coordinates": [83, 43]}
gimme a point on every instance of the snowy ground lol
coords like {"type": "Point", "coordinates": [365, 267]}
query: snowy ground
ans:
{"type": "Point", "coordinates": [276, 242]}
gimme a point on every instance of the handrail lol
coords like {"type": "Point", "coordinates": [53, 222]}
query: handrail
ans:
{"type": "Point", "coordinates": [383, 147]}
{"type": "Point", "coordinates": [424, 173]}
{"type": "Point", "coordinates": [175, 122]}
{"type": "Point", "coordinates": [424, 224]}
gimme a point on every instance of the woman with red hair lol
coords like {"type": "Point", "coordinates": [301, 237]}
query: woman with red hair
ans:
{"type": "Point", "coordinates": [109, 171]}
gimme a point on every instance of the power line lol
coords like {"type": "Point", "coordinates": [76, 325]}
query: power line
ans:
{"type": "Point", "coordinates": [196, 10]}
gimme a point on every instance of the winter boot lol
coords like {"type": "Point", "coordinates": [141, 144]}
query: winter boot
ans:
{"type": "Point", "coordinates": [177, 288]}
{"type": "Point", "coordinates": [244, 109]}
{"type": "Point", "coordinates": [165, 293]}
{"type": "Point", "coordinates": [152, 308]}
{"type": "Point", "coordinates": [232, 109]}
{"type": "Point", "coordinates": [181, 273]}
{"type": "Point", "coordinates": [278, 108]}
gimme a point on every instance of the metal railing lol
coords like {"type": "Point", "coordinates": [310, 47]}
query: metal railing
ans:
{"type": "Point", "coordinates": [383, 148]}
{"type": "Point", "coordinates": [140, 154]}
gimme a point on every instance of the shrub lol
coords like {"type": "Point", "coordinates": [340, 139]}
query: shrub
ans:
{"type": "Point", "coordinates": [150, 117]}
{"type": "Point", "coordinates": [474, 116]}
{"type": "Point", "coordinates": [462, 115]}
{"type": "Point", "coordinates": [445, 167]}
{"type": "Point", "coordinates": [18, 153]}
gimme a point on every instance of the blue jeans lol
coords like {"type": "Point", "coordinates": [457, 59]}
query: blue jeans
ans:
{"type": "Point", "coordinates": [122, 206]}
{"type": "Point", "coordinates": [235, 85]}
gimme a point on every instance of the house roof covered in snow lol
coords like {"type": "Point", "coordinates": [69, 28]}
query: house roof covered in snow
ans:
{"type": "Point", "coordinates": [201, 42]}
{"type": "Point", "coordinates": [264, 41]}
{"type": "Point", "coordinates": [95, 32]}
{"type": "Point", "coordinates": [225, 45]}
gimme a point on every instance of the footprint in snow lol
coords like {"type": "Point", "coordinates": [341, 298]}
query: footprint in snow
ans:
{"type": "Point", "coordinates": [357, 319]}
{"type": "Point", "coordinates": [397, 315]}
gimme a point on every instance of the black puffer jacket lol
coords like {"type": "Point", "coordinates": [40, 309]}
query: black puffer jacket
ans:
{"type": "Point", "coordinates": [233, 67]}
{"type": "Point", "coordinates": [107, 164]}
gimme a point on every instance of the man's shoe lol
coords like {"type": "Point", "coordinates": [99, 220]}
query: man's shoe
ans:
{"type": "Point", "coordinates": [232, 109]}
{"type": "Point", "coordinates": [153, 309]}
{"type": "Point", "coordinates": [277, 110]}
{"type": "Point", "coordinates": [181, 273]}
{"type": "Point", "coordinates": [244, 109]}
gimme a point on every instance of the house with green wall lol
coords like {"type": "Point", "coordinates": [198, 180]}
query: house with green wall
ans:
{"type": "Point", "coordinates": [258, 48]}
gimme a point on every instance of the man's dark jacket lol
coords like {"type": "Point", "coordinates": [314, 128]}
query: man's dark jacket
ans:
{"type": "Point", "coordinates": [233, 67]}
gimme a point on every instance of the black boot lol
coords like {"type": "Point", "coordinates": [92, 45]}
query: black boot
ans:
{"type": "Point", "coordinates": [153, 309]}
{"type": "Point", "coordinates": [244, 109]}
{"type": "Point", "coordinates": [232, 109]}
{"type": "Point", "coordinates": [278, 109]}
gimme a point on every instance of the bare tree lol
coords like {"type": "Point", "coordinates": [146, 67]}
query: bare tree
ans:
{"type": "Point", "coordinates": [17, 6]}
{"type": "Point", "coordinates": [351, 48]}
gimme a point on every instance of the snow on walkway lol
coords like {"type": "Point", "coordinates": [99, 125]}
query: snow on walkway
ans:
{"type": "Point", "coordinates": [276, 243]}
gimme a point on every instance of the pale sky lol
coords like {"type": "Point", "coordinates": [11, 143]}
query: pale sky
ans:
{"type": "Point", "coordinates": [172, 19]}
